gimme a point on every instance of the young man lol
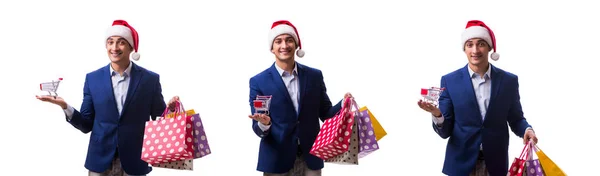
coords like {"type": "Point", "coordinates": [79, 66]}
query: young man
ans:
{"type": "Point", "coordinates": [299, 100]}
{"type": "Point", "coordinates": [117, 101]}
{"type": "Point", "coordinates": [475, 107]}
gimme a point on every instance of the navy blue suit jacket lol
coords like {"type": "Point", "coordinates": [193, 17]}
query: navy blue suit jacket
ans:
{"type": "Point", "coordinates": [466, 130]}
{"type": "Point", "coordinates": [99, 114]}
{"type": "Point", "coordinates": [279, 144]}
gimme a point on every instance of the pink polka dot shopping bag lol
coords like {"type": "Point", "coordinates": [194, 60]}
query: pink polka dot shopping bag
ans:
{"type": "Point", "coordinates": [334, 137]}
{"type": "Point", "coordinates": [174, 140]}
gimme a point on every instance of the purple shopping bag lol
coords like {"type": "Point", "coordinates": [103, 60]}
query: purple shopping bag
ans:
{"type": "Point", "coordinates": [533, 166]}
{"type": "Point", "coordinates": [201, 147]}
{"type": "Point", "coordinates": [366, 135]}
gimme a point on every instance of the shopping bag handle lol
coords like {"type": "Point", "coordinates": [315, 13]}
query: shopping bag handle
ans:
{"type": "Point", "coordinates": [536, 148]}
{"type": "Point", "coordinates": [355, 104]}
{"type": "Point", "coordinates": [532, 148]}
{"type": "Point", "coordinates": [178, 109]}
{"type": "Point", "coordinates": [345, 106]}
{"type": "Point", "coordinates": [525, 153]}
{"type": "Point", "coordinates": [356, 107]}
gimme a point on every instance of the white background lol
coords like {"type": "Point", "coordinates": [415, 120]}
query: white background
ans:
{"type": "Point", "coordinates": [382, 53]}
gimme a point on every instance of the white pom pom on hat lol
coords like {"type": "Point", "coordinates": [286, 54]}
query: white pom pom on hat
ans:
{"type": "Point", "coordinates": [300, 53]}
{"type": "Point", "coordinates": [122, 29]}
{"type": "Point", "coordinates": [135, 56]}
{"type": "Point", "coordinates": [495, 56]}
{"type": "Point", "coordinates": [285, 27]}
{"type": "Point", "coordinates": [478, 29]}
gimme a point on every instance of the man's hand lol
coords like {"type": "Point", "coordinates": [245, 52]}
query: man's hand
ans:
{"type": "Point", "coordinates": [530, 135]}
{"type": "Point", "coordinates": [262, 118]}
{"type": "Point", "coordinates": [54, 100]}
{"type": "Point", "coordinates": [173, 103]}
{"type": "Point", "coordinates": [348, 95]}
{"type": "Point", "coordinates": [430, 108]}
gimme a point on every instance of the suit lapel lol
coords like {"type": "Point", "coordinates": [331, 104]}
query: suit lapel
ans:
{"type": "Point", "coordinates": [303, 79]}
{"type": "Point", "coordinates": [135, 76]}
{"type": "Point", "coordinates": [470, 95]}
{"type": "Point", "coordinates": [108, 88]}
{"type": "Point", "coordinates": [278, 82]}
{"type": "Point", "coordinates": [496, 81]}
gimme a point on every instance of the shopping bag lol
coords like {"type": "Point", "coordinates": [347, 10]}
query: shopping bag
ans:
{"type": "Point", "coordinates": [178, 165]}
{"type": "Point", "coordinates": [377, 128]}
{"type": "Point", "coordinates": [516, 168]}
{"type": "Point", "coordinates": [168, 139]}
{"type": "Point", "coordinates": [532, 166]}
{"type": "Point", "coordinates": [201, 147]}
{"type": "Point", "coordinates": [349, 157]}
{"type": "Point", "coordinates": [334, 137]}
{"type": "Point", "coordinates": [367, 139]}
{"type": "Point", "coordinates": [550, 168]}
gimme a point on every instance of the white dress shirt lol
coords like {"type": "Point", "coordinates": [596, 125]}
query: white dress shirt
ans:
{"type": "Point", "coordinates": [292, 85]}
{"type": "Point", "coordinates": [120, 84]}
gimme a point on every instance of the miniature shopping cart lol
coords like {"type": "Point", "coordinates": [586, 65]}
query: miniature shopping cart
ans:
{"type": "Point", "coordinates": [431, 95]}
{"type": "Point", "coordinates": [51, 87]}
{"type": "Point", "coordinates": [262, 104]}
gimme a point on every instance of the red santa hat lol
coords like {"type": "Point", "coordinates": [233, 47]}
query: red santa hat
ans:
{"type": "Point", "coordinates": [122, 29]}
{"type": "Point", "coordinates": [478, 29]}
{"type": "Point", "coordinates": [285, 27]}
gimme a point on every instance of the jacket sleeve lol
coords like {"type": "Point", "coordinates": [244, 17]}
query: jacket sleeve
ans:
{"type": "Point", "coordinates": [83, 120]}
{"type": "Point", "coordinates": [255, 91]}
{"type": "Point", "coordinates": [326, 110]}
{"type": "Point", "coordinates": [517, 122]}
{"type": "Point", "coordinates": [158, 101]}
{"type": "Point", "coordinates": [444, 130]}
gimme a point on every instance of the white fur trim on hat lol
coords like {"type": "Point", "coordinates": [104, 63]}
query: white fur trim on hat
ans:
{"type": "Point", "coordinates": [121, 31]}
{"type": "Point", "coordinates": [476, 32]}
{"type": "Point", "coordinates": [125, 32]}
{"type": "Point", "coordinates": [284, 29]}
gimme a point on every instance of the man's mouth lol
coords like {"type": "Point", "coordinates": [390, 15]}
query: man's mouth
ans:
{"type": "Point", "coordinates": [285, 52]}
{"type": "Point", "coordinates": [115, 54]}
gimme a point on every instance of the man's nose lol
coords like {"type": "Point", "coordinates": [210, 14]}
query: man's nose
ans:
{"type": "Point", "coordinates": [476, 49]}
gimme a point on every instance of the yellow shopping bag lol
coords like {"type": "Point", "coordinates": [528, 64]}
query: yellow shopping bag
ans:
{"type": "Point", "coordinates": [550, 168]}
{"type": "Point", "coordinates": [379, 131]}
{"type": "Point", "coordinates": [187, 113]}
